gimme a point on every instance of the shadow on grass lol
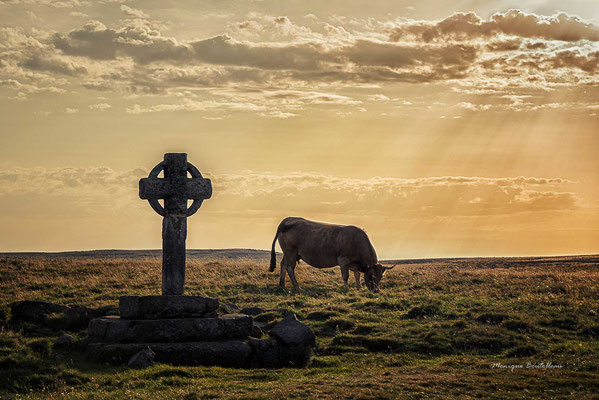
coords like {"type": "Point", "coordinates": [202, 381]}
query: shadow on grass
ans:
{"type": "Point", "coordinates": [35, 365]}
{"type": "Point", "coordinates": [314, 291]}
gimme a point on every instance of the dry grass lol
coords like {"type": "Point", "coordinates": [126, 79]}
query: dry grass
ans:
{"type": "Point", "coordinates": [434, 332]}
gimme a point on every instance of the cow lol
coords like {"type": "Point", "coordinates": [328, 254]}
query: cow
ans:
{"type": "Point", "coordinates": [324, 245]}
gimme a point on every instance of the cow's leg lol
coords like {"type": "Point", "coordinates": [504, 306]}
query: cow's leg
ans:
{"type": "Point", "coordinates": [344, 264]}
{"type": "Point", "coordinates": [357, 276]}
{"type": "Point", "coordinates": [291, 273]}
{"type": "Point", "coordinates": [282, 277]}
{"type": "Point", "coordinates": [290, 264]}
{"type": "Point", "coordinates": [345, 275]}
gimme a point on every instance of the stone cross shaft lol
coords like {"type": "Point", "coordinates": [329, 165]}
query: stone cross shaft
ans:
{"type": "Point", "coordinates": [176, 189]}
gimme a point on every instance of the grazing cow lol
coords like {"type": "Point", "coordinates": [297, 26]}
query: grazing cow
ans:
{"type": "Point", "coordinates": [325, 246]}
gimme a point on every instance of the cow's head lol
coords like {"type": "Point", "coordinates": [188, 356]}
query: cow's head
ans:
{"type": "Point", "coordinates": [373, 276]}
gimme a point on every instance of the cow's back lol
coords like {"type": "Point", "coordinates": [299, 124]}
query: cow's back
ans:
{"type": "Point", "coordinates": [321, 245]}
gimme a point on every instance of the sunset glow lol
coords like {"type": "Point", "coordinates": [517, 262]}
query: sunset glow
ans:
{"type": "Point", "coordinates": [442, 128]}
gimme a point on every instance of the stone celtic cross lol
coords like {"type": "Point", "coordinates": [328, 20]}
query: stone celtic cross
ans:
{"type": "Point", "coordinates": [175, 188]}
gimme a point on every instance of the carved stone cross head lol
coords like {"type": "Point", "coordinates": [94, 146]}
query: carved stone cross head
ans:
{"type": "Point", "coordinates": [175, 188]}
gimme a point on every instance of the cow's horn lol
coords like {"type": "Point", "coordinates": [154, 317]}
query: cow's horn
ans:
{"type": "Point", "coordinates": [388, 268]}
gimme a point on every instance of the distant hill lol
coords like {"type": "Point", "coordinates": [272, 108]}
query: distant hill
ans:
{"type": "Point", "coordinates": [261, 255]}
{"type": "Point", "coordinates": [191, 253]}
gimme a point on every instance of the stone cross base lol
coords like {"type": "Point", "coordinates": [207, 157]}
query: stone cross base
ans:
{"type": "Point", "coordinates": [186, 330]}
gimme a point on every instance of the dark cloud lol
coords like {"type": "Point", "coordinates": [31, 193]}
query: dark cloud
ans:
{"type": "Point", "coordinates": [536, 45]}
{"type": "Point", "coordinates": [506, 45]}
{"type": "Point", "coordinates": [364, 52]}
{"type": "Point", "coordinates": [137, 58]}
{"type": "Point", "coordinates": [227, 51]}
{"type": "Point", "coordinates": [53, 64]}
{"type": "Point", "coordinates": [362, 59]}
{"type": "Point", "coordinates": [137, 40]}
{"type": "Point", "coordinates": [546, 62]}
{"type": "Point", "coordinates": [575, 59]}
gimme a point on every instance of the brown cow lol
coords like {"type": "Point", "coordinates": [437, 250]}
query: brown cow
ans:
{"type": "Point", "coordinates": [324, 246]}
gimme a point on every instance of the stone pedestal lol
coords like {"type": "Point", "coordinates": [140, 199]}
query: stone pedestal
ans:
{"type": "Point", "coordinates": [185, 330]}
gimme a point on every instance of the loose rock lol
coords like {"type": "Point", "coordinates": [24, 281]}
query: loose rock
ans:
{"type": "Point", "coordinates": [55, 316]}
{"type": "Point", "coordinates": [253, 311]}
{"type": "Point", "coordinates": [142, 359]}
{"type": "Point", "coordinates": [229, 308]}
{"type": "Point", "coordinates": [63, 340]}
{"type": "Point", "coordinates": [290, 331]}
{"type": "Point", "coordinates": [296, 341]}
{"type": "Point", "coordinates": [34, 311]}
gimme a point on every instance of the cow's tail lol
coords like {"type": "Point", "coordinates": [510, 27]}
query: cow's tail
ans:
{"type": "Point", "coordinates": [273, 255]}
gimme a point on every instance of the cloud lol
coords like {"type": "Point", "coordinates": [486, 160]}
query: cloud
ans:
{"type": "Point", "coordinates": [29, 88]}
{"type": "Point", "coordinates": [360, 59]}
{"type": "Point", "coordinates": [48, 3]}
{"type": "Point", "coordinates": [505, 45]}
{"type": "Point", "coordinates": [69, 110]}
{"type": "Point", "coordinates": [100, 106]}
{"type": "Point", "coordinates": [267, 28]}
{"type": "Point", "coordinates": [37, 179]}
{"type": "Point", "coordinates": [133, 12]}
{"type": "Point", "coordinates": [225, 50]}
{"type": "Point", "coordinates": [137, 40]}
{"type": "Point", "coordinates": [191, 105]}
{"type": "Point", "coordinates": [437, 196]}
{"type": "Point", "coordinates": [422, 55]}
{"type": "Point", "coordinates": [146, 45]}
{"type": "Point", "coordinates": [310, 97]}
{"type": "Point", "coordinates": [53, 64]}
{"type": "Point", "coordinates": [460, 26]}
{"type": "Point", "coordinates": [78, 14]}
{"type": "Point", "coordinates": [310, 192]}
{"type": "Point", "coordinates": [508, 53]}
{"type": "Point", "coordinates": [68, 191]}
{"type": "Point", "coordinates": [473, 107]}
{"type": "Point", "coordinates": [378, 97]}
{"type": "Point", "coordinates": [269, 103]}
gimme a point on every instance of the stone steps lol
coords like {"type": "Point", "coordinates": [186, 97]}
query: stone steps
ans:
{"type": "Point", "coordinates": [183, 330]}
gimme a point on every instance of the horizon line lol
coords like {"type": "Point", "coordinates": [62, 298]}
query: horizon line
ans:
{"type": "Point", "coordinates": [439, 257]}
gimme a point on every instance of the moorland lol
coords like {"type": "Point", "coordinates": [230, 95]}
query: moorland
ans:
{"type": "Point", "coordinates": [492, 328]}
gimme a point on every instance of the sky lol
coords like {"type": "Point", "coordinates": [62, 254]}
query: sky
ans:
{"type": "Point", "coordinates": [443, 128]}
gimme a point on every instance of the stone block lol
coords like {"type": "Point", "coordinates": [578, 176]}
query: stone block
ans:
{"type": "Point", "coordinates": [265, 353]}
{"type": "Point", "coordinates": [232, 353]}
{"type": "Point", "coordinates": [156, 307]}
{"type": "Point", "coordinates": [119, 330]}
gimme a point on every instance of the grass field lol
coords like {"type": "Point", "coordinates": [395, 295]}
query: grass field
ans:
{"type": "Point", "coordinates": [436, 330]}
